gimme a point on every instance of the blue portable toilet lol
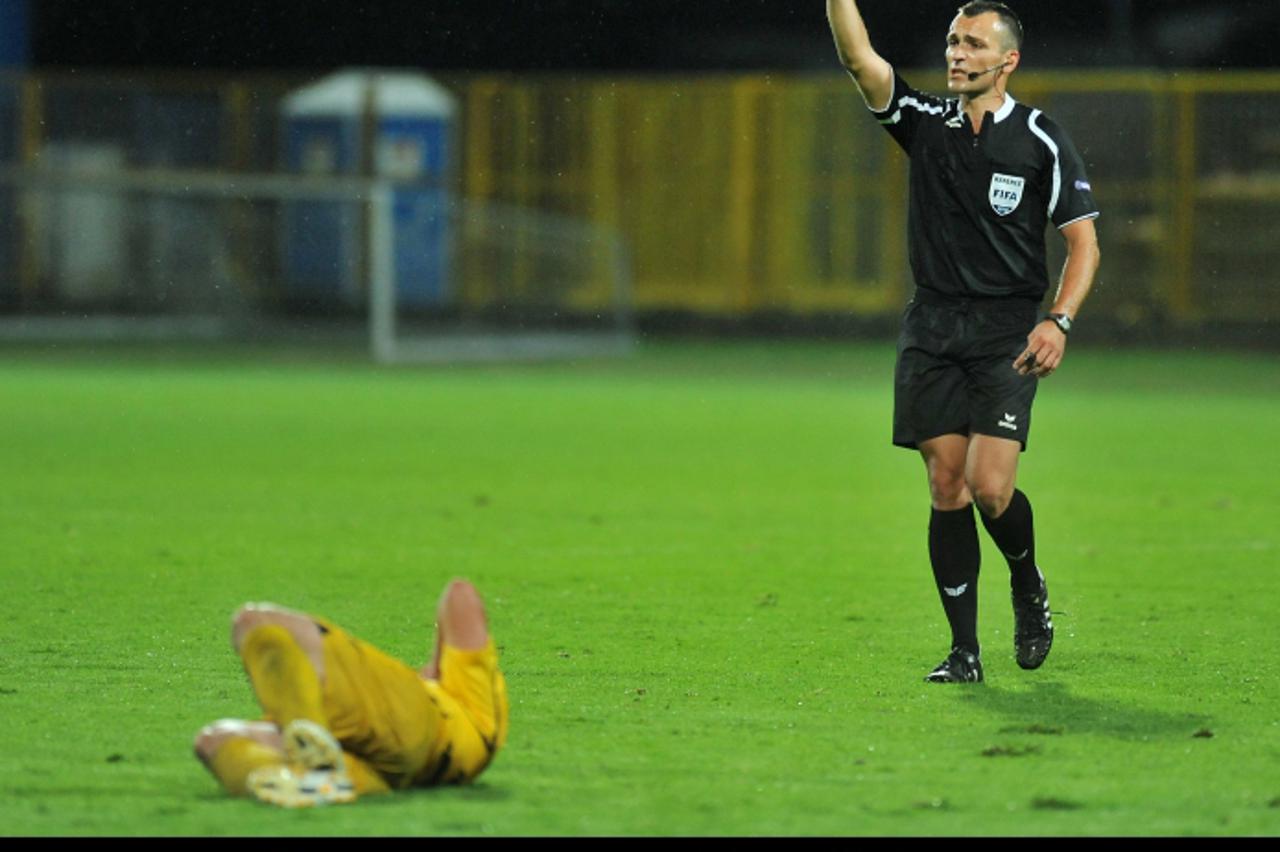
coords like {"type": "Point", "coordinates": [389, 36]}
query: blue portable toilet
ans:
{"type": "Point", "coordinates": [324, 135]}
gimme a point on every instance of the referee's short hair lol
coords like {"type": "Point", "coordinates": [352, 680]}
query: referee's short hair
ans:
{"type": "Point", "coordinates": [980, 7]}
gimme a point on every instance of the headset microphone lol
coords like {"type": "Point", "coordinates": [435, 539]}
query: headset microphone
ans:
{"type": "Point", "coordinates": [973, 75]}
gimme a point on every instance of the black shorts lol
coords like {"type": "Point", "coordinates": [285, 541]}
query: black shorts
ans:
{"type": "Point", "coordinates": [955, 370]}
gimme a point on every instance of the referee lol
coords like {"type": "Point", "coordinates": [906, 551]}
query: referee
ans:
{"type": "Point", "coordinates": [987, 176]}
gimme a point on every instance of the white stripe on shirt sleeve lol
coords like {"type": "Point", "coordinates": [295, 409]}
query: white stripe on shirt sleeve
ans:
{"type": "Point", "coordinates": [1057, 165]}
{"type": "Point", "coordinates": [1079, 219]}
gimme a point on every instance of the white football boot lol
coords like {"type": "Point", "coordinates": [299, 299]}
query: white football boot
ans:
{"type": "Point", "coordinates": [316, 773]}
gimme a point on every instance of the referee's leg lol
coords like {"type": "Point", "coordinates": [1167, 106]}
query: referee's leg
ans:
{"type": "Point", "coordinates": [991, 473]}
{"type": "Point", "coordinates": [953, 542]}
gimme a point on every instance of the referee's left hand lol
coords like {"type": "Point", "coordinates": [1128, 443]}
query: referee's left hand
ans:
{"type": "Point", "coordinates": [1045, 346]}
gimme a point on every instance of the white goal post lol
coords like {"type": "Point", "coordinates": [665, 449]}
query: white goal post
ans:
{"type": "Point", "coordinates": [136, 254]}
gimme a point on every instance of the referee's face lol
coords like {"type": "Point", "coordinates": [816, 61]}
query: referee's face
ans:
{"type": "Point", "coordinates": [976, 45]}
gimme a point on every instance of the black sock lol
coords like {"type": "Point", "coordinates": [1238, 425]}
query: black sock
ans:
{"type": "Point", "coordinates": [1014, 534]}
{"type": "Point", "coordinates": [953, 550]}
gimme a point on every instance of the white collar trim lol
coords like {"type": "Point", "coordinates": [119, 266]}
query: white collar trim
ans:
{"type": "Point", "coordinates": [1006, 109]}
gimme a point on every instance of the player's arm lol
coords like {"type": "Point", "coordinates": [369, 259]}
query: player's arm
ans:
{"type": "Point", "coordinates": [460, 623]}
{"type": "Point", "coordinates": [431, 671]}
{"type": "Point", "coordinates": [1046, 343]}
{"type": "Point", "coordinates": [869, 70]}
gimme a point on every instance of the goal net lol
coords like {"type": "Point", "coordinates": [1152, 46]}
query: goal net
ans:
{"type": "Point", "coordinates": [94, 251]}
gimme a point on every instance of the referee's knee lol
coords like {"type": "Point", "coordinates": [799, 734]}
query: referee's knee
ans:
{"type": "Point", "coordinates": [992, 497]}
{"type": "Point", "coordinates": [948, 491]}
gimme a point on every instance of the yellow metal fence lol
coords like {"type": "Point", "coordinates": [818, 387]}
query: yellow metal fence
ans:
{"type": "Point", "coordinates": [779, 194]}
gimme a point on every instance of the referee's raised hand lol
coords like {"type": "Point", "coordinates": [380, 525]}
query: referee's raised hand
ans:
{"type": "Point", "coordinates": [869, 69]}
{"type": "Point", "coordinates": [1045, 347]}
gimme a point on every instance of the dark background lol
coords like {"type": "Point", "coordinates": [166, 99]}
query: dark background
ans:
{"type": "Point", "coordinates": [621, 35]}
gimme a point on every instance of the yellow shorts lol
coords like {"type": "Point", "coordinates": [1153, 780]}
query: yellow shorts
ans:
{"type": "Point", "coordinates": [411, 730]}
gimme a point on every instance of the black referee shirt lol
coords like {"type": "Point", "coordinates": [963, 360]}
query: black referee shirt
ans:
{"type": "Point", "coordinates": [980, 204]}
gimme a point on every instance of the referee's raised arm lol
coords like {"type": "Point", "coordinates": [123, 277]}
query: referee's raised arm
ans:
{"type": "Point", "coordinates": [869, 70]}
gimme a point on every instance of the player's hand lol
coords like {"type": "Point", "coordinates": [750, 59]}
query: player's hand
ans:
{"type": "Point", "coordinates": [1045, 346]}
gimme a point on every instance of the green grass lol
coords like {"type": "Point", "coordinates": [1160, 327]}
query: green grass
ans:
{"type": "Point", "coordinates": [706, 569]}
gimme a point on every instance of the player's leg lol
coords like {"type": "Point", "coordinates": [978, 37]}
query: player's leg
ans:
{"type": "Point", "coordinates": [283, 655]}
{"type": "Point", "coordinates": [954, 554]}
{"type": "Point", "coordinates": [232, 748]}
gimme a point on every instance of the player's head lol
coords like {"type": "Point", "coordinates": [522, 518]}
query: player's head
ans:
{"type": "Point", "coordinates": [984, 46]}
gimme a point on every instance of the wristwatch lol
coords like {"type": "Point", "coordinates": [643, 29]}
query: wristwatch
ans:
{"type": "Point", "coordinates": [1062, 321]}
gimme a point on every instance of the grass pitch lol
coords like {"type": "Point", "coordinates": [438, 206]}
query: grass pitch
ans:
{"type": "Point", "coordinates": [706, 568]}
